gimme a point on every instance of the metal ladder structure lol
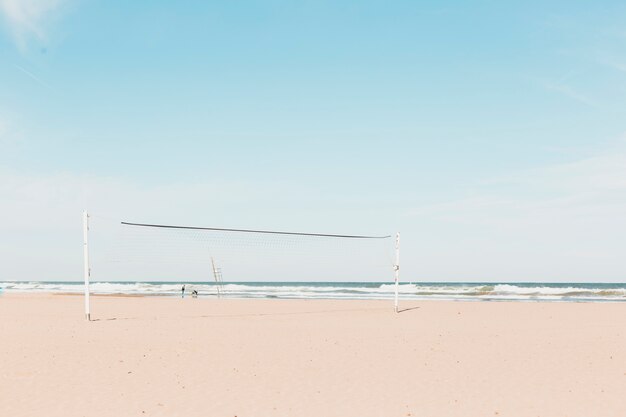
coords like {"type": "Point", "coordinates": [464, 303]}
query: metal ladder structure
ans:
{"type": "Point", "coordinates": [217, 275]}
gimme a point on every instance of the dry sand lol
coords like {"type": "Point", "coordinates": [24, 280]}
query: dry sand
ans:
{"type": "Point", "coordinates": [203, 357]}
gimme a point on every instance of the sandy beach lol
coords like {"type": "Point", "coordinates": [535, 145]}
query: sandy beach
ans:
{"type": "Point", "coordinates": [159, 356]}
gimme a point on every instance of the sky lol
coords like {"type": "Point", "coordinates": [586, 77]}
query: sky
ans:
{"type": "Point", "coordinates": [491, 135]}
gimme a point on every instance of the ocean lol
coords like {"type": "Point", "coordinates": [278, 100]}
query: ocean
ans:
{"type": "Point", "coordinates": [476, 291]}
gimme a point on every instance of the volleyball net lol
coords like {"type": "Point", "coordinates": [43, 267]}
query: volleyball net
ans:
{"type": "Point", "coordinates": [158, 259]}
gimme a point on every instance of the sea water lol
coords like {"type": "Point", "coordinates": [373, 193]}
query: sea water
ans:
{"type": "Point", "coordinates": [521, 291]}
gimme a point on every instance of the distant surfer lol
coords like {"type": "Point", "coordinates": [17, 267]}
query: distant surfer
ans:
{"type": "Point", "coordinates": [182, 291]}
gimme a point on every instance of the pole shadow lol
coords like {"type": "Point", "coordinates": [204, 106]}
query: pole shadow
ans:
{"type": "Point", "coordinates": [407, 309]}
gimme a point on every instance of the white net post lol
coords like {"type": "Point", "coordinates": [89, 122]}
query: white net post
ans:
{"type": "Point", "coordinates": [396, 269]}
{"type": "Point", "coordinates": [86, 269]}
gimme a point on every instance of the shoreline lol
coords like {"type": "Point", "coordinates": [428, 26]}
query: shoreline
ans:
{"type": "Point", "coordinates": [564, 292]}
{"type": "Point", "coordinates": [425, 299]}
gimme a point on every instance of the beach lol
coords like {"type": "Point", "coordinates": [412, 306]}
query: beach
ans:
{"type": "Point", "coordinates": [167, 356]}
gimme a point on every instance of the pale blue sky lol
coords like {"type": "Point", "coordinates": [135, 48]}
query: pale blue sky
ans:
{"type": "Point", "coordinates": [492, 135]}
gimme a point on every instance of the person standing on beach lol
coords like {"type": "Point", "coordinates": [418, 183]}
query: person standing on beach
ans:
{"type": "Point", "coordinates": [182, 291]}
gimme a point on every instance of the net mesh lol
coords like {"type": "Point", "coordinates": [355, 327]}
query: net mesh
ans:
{"type": "Point", "coordinates": [124, 252]}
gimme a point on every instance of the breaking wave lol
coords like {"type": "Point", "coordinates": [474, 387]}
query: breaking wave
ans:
{"type": "Point", "coordinates": [344, 290]}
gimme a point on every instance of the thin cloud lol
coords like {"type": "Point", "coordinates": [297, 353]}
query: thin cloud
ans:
{"type": "Point", "coordinates": [562, 221]}
{"type": "Point", "coordinates": [611, 60]}
{"type": "Point", "coordinates": [571, 93]}
{"type": "Point", "coordinates": [595, 186]}
{"type": "Point", "coordinates": [29, 20]}
{"type": "Point", "coordinates": [33, 76]}
{"type": "Point", "coordinates": [600, 172]}
{"type": "Point", "coordinates": [3, 129]}
{"type": "Point", "coordinates": [618, 66]}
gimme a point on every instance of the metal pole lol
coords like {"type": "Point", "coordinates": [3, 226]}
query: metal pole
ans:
{"type": "Point", "coordinates": [396, 269]}
{"type": "Point", "coordinates": [87, 269]}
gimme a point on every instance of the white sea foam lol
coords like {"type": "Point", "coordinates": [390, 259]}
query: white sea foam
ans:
{"type": "Point", "coordinates": [418, 291]}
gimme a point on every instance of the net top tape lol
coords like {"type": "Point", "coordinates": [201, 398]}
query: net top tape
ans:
{"type": "Point", "coordinates": [255, 231]}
